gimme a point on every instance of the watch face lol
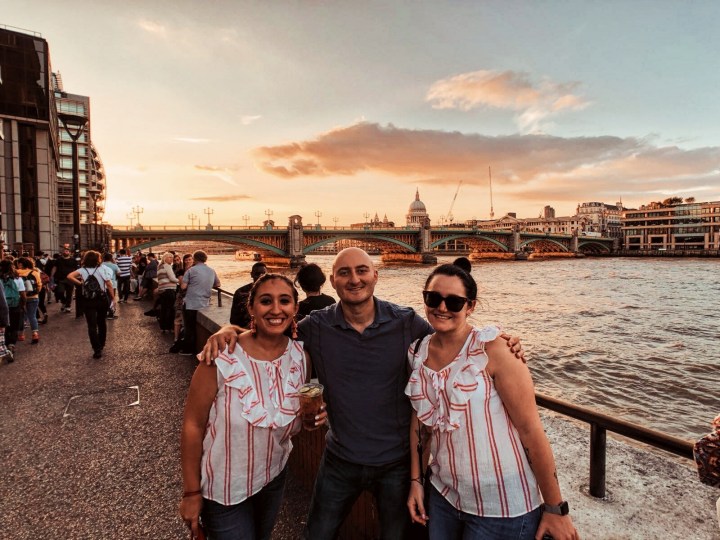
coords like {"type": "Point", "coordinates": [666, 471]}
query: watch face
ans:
{"type": "Point", "coordinates": [564, 508]}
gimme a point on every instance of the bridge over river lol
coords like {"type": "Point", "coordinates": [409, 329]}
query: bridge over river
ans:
{"type": "Point", "coordinates": [289, 245]}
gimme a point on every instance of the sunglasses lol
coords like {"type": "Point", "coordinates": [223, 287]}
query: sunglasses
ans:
{"type": "Point", "coordinates": [453, 302]}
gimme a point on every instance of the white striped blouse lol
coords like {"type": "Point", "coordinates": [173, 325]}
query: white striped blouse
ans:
{"type": "Point", "coordinates": [247, 439]}
{"type": "Point", "coordinates": [477, 460]}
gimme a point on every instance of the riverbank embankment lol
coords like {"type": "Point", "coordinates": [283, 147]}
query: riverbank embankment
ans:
{"type": "Point", "coordinates": [90, 448]}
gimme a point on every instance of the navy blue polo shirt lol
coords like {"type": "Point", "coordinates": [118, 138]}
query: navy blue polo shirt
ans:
{"type": "Point", "coordinates": [364, 377]}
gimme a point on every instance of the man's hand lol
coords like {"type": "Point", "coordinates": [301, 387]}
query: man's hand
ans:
{"type": "Point", "coordinates": [515, 346]}
{"type": "Point", "coordinates": [227, 335]}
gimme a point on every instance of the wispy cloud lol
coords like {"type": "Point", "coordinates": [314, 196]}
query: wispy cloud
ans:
{"type": "Point", "coordinates": [525, 166]}
{"type": "Point", "coordinates": [223, 173]}
{"type": "Point", "coordinates": [249, 119]}
{"type": "Point", "coordinates": [532, 102]}
{"type": "Point", "coordinates": [152, 27]}
{"type": "Point", "coordinates": [192, 140]}
{"type": "Point", "coordinates": [222, 198]}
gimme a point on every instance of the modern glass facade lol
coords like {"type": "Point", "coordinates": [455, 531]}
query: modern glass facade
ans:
{"type": "Point", "coordinates": [28, 144]}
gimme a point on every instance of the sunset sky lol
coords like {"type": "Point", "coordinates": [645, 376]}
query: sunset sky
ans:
{"type": "Point", "coordinates": [347, 107]}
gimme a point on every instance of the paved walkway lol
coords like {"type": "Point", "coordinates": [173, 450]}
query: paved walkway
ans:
{"type": "Point", "coordinates": [107, 470]}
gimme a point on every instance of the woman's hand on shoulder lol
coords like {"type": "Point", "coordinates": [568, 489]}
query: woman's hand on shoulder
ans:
{"type": "Point", "coordinates": [513, 342]}
{"type": "Point", "coordinates": [227, 335]}
{"type": "Point", "coordinates": [559, 527]}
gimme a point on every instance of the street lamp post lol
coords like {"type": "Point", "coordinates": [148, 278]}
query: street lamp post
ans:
{"type": "Point", "coordinates": [246, 218]}
{"type": "Point", "coordinates": [335, 220]}
{"type": "Point", "coordinates": [192, 218]}
{"type": "Point", "coordinates": [209, 211]}
{"type": "Point", "coordinates": [318, 215]}
{"type": "Point", "coordinates": [95, 196]}
{"type": "Point", "coordinates": [138, 210]}
{"type": "Point", "coordinates": [74, 126]}
{"type": "Point", "coordinates": [269, 214]}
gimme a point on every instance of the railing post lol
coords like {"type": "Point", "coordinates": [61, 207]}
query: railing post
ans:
{"type": "Point", "coordinates": [219, 298]}
{"type": "Point", "coordinates": [597, 460]}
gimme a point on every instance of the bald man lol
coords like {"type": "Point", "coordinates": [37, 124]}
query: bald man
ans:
{"type": "Point", "coordinates": [359, 350]}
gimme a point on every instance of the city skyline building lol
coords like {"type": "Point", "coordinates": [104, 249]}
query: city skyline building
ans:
{"type": "Point", "coordinates": [689, 226]}
{"type": "Point", "coordinates": [92, 181]}
{"type": "Point", "coordinates": [28, 143]}
{"type": "Point", "coordinates": [417, 214]}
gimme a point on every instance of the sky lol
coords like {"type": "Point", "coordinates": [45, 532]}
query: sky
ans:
{"type": "Point", "coordinates": [238, 110]}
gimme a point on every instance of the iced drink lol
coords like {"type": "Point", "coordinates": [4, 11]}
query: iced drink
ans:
{"type": "Point", "coordinates": [310, 401]}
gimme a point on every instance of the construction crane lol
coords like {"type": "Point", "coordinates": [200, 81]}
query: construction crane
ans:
{"type": "Point", "coordinates": [450, 216]}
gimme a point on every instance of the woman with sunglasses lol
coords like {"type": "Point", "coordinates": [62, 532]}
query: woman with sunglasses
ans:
{"type": "Point", "coordinates": [239, 417]}
{"type": "Point", "coordinates": [491, 460]}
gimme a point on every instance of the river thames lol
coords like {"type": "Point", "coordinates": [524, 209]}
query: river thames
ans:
{"type": "Point", "coordinates": [635, 338]}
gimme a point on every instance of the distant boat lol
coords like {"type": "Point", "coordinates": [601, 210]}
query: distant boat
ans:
{"type": "Point", "coordinates": [241, 255]}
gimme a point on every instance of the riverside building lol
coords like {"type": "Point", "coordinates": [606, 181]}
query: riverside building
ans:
{"type": "Point", "coordinates": [685, 227]}
{"type": "Point", "coordinates": [28, 143]}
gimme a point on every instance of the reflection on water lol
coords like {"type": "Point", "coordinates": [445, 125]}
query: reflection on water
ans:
{"type": "Point", "coordinates": [633, 338]}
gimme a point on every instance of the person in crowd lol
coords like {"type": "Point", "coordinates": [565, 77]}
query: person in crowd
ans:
{"type": "Point", "coordinates": [14, 291]}
{"type": "Point", "coordinates": [97, 291]}
{"type": "Point", "coordinates": [33, 284]}
{"type": "Point", "coordinates": [187, 261]}
{"type": "Point", "coordinates": [198, 282]}
{"type": "Point", "coordinates": [114, 276]}
{"type": "Point", "coordinates": [253, 429]}
{"type": "Point", "coordinates": [464, 263]}
{"type": "Point", "coordinates": [50, 289]}
{"type": "Point", "coordinates": [239, 315]}
{"type": "Point", "coordinates": [140, 267]}
{"type": "Point", "coordinates": [148, 285]}
{"type": "Point", "coordinates": [177, 264]}
{"type": "Point", "coordinates": [310, 278]}
{"type": "Point", "coordinates": [5, 353]}
{"type": "Point", "coordinates": [167, 283]}
{"type": "Point", "coordinates": [489, 450]}
{"type": "Point", "coordinates": [124, 264]}
{"type": "Point", "coordinates": [64, 288]}
{"type": "Point", "coordinates": [359, 348]}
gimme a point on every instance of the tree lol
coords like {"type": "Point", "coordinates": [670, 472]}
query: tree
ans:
{"type": "Point", "coordinates": [672, 201]}
{"type": "Point", "coordinates": [690, 200]}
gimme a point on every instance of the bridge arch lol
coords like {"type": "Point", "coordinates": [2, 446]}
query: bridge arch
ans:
{"type": "Point", "coordinates": [595, 247]}
{"type": "Point", "coordinates": [441, 241]}
{"type": "Point", "coordinates": [529, 241]}
{"type": "Point", "coordinates": [369, 239]}
{"type": "Point", "coordinates": [226, 239]}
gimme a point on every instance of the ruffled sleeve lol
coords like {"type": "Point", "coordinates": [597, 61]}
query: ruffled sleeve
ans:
{"type": "Point", "coordinates": [275, 402]}
{"type": "Point", "coordinates": [440, 397]}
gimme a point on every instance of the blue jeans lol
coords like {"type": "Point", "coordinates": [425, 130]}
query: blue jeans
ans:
{"type": "Point", "coordinates": [252, 519]}
{"type": "Point", "coordinates": [338, 485]}
{"type": "Point", "coordinates": [448, 523]}
{"type": "Point", "coordinates": [31, 307]}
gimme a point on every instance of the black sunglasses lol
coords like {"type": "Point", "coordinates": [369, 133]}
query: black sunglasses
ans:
{"type": "Point", "coordinates": [453, 302]}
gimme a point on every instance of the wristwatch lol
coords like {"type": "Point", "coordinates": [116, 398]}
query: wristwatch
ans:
{"type": "Point", "coordinates": [562, 509]}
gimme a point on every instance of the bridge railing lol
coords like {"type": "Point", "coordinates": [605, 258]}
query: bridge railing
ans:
{"type": "Point", "coordinates": [222, 293]}
{"type": "Point", "coordinates": [599, 425]}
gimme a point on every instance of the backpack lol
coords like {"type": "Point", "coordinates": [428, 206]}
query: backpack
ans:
{"type": "Point", "coordinates": [44, 278]}
{"type": "Point", "coordinates": [12, 295]}
{"type": "Point", "coordinates": [31, 285]}
{"type": "Point", "coordinates": [91, 289]}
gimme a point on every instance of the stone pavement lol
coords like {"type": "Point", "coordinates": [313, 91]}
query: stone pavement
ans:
{"type": "Point", "coordinates": [105, 470]}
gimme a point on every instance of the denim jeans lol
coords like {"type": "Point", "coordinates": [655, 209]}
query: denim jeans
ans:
{"type": "Point", "coordinates": [338, 485]}
{"type": "Point", "coordinates": [123, 287]}
{"type": "Point", "coordinates": [31, 307]}
{"type": "Point", "coordinates": [448, 523]}
{"type": "Point", "coordinates": [252, 519]}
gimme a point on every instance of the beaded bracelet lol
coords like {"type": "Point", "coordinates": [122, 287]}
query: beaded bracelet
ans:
{"type": "Point", "coordinates": [192, 493]}
{"type": "Point", "coordinates": [418, 480]}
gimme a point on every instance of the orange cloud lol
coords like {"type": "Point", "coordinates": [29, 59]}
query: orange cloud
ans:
{"type": "Point", "coordinates": [578, 168]}
{"type": "Point", "coordinates": [533, 103]}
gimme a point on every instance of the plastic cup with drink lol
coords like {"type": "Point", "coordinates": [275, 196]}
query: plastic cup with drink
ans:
{"type": "Point", "coordinates": [311, 399]}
